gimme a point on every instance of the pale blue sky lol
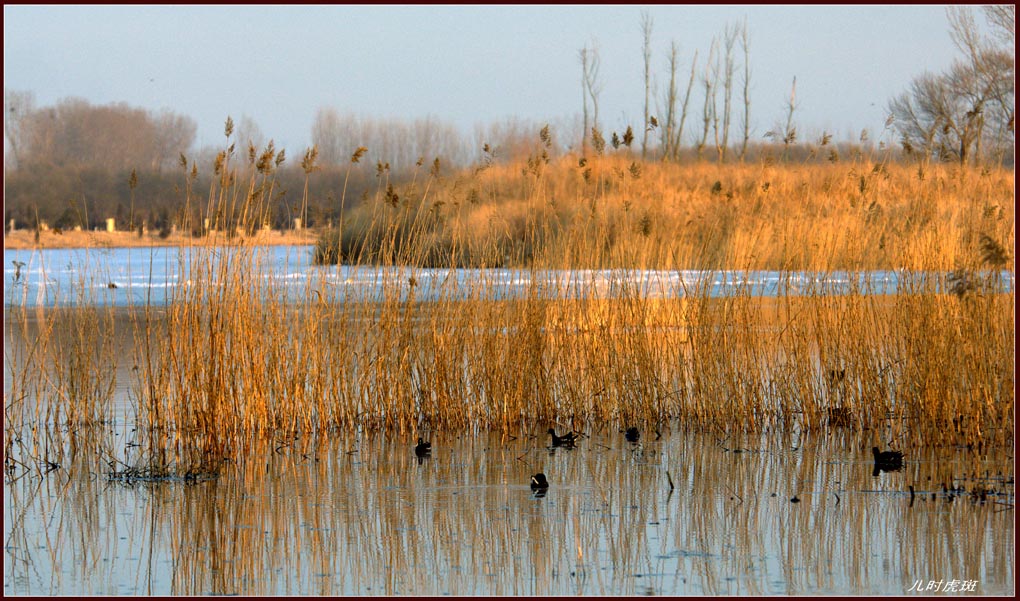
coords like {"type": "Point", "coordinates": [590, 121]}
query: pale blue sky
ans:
{"type": "Point", "coordinates": [463, 64]}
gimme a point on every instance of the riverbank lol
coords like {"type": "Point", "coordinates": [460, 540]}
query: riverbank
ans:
{"type": "Point", "coordinates": [25, 239]}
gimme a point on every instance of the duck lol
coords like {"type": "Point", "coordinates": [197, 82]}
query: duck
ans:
{"type": "Point", "coordinates": [567, 440]}
{"type": "Point", "coordinates": [887, 458]}
{"type": "Point", "coordinates": [17, 266]}
{"type": "Point", "coordinates": [423, 449]}
{"type": "Point", "coordinates": [538, 482]}
{"type": "Point", "coordinates": [632, 434]}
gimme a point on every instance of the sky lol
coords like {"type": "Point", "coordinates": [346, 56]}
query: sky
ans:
{"type": "Point", "coordinates": [465, 65]}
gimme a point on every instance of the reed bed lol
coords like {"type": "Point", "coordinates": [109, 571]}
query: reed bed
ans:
{"type": "Point", "coordinates": [233, 360]}
{"type": "Point", "coordinates": [612, 211]}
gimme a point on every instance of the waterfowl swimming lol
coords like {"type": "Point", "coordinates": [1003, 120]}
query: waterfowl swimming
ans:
{"type": "Point", "coordinates": [887, 458]}
{"type": "Point", "coordinates": [567, 440]}
{"type": "Point", "coordinates": [632, 434]}
{"type": "Point", "coordinates": [538, 482]}
{"type": "Point", "coordinates": [423, 449]}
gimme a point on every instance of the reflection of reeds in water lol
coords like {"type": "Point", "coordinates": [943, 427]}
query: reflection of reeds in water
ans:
{"type": "Point", "coordinates": [357, 514]}
{"type": "Point", "coordinates": [64, 533]}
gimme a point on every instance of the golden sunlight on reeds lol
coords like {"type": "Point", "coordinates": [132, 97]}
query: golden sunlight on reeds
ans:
{"type": "Point", "coordinates": [231, 359]}
{"type": "Point", "coordinates": [862, 215]}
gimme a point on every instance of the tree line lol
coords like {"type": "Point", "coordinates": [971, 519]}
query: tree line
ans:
{"type": "Point", "coordinates": [76, 132]}
{"type": "Point", "coordinates": [75, 163]}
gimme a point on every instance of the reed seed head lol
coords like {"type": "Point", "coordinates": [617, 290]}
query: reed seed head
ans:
{"type": "Point", "coordinates": [628, 137]}
{"type": "Point", "coordinates": [311, 156]}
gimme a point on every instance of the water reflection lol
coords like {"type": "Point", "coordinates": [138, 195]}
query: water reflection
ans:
{"type": "Point", "coordinates": [883, 468]}
{"type": "Point", "coordinates": [689, 513]}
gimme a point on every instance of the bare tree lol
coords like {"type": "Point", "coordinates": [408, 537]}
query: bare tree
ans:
{"type": "Point", "coordinates": [745, 46]}
{"type": "Point", "coordinates": [591, 87]}
{"type": "Point", "coordinates": [175, 134]}
{"type": "Point", "coordinates": [19, 107]}
{"type": "Point", "coordinates": [397, 143]}
{"type": "Point", "coordinates": [708, 110]}
{"type": "Point", "coordinates": [790, 130]}
{"type": "Point", "coordinates": [646, 31]}
{"type": "Point", "coordinates": [326, 135]}
{"type": "Point", "coordinates": [584, 58]}
{"type": "Point", "coordinates": [1002, 18]}
{"type": "Point", "coordinates": [671, 100]}
{"type": "Point", "coordinates": [683, 107]}
{"type": "Point", "coordinates": [947, 115]}
{"type": "Point", "coordinates": [594, 85]}
{"type": "Point", "coordinates": [249, 134]}
{"type": "Point", "coordinates": [985, 78]}
{"type": "Point", "coordinates": [673, 130]}
{"type": "Point", "coordinates": [716, 74]}
{"type": "Point", "coordinates": [729, 40]}
{"type": "Point", "coordinates": [511, 138]}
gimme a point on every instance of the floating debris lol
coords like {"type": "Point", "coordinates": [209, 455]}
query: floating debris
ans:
{"type": "Point", "coordinates": [134, 475]}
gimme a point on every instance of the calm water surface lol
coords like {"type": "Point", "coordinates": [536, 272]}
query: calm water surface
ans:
{"type": "Point", "coordinates": [359, 514]}
{"type": "Point", "coordinates": [150, 275]}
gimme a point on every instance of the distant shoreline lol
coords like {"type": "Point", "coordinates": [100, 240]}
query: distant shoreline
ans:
{"type": "Point", "coordinates": [25, 239]}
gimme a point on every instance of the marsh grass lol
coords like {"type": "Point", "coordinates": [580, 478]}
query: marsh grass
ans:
{"type": "Point", "coordinates": [861, 215]}
{"type": "Point", "coordinates": [60, 379]}
{"type": "Point", "coordinates": [232, 360]}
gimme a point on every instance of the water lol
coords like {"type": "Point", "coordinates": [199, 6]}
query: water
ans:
{"type": "Point", "coordinates": [680, 513]}
{"type": "Point", "coordinates": [151, 275]}
{"type": "Point", "coordinates": [359, 514]}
